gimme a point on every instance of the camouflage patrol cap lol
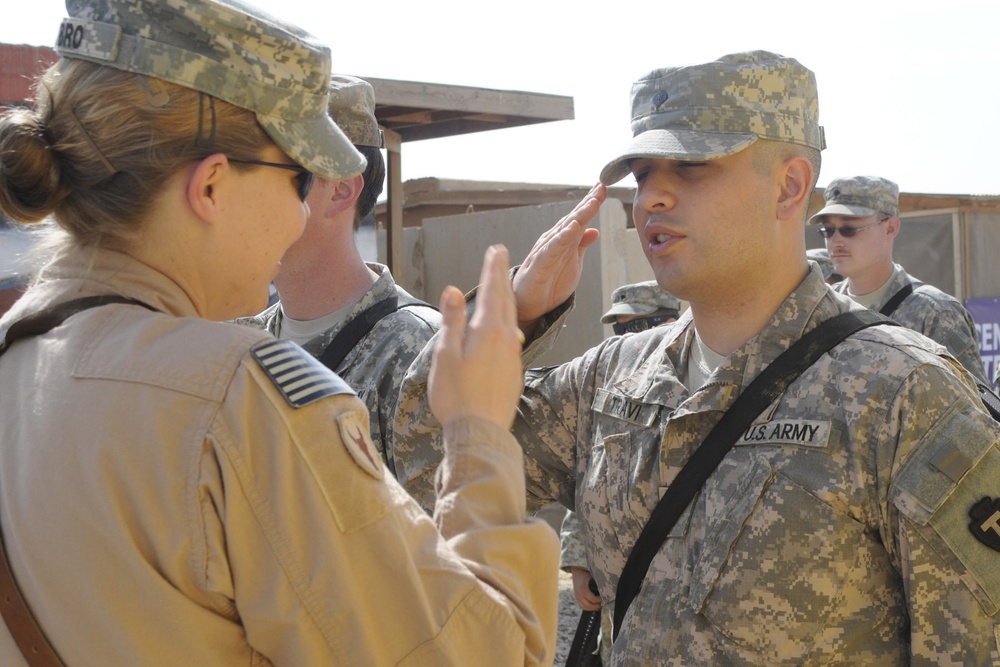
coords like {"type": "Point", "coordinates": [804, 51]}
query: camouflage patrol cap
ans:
{"type": "Point", "coordinates": [859, 196]}
{"type": "Point", "coordinates": [352, 107]}
{"type": "Point", "coordinates": [639, 299]}
{"type": "Point", "coordinates": [821, 257]}
{"type": "Point", "coordinates": [228, 50]}
{"type": "Point", "coordinates": [708, 111]}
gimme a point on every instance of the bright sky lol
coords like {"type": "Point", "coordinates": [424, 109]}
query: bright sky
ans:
{"type": "Point", "coordinates": [908, 89]}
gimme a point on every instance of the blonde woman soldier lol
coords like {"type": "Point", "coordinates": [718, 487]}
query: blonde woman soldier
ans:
{"type": "Point", "coordinates": [176, 490]}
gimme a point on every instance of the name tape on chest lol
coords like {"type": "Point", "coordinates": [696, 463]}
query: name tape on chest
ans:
{"type": "Point", "coordinates": [625, 408]}
{"type": "Point", "coordinates": [299, 377]}
{"type": "Point", "coordinates": [787, 432]}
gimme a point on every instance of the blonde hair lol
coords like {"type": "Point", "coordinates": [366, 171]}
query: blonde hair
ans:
{"type": "Point", "coordinates": [101, 143]}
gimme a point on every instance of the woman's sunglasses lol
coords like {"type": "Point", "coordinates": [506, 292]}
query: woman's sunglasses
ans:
{"type": "Point", "coordinates": [304, 180]}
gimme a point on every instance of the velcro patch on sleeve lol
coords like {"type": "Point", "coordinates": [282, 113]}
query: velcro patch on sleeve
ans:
{"type": "Point", "coordinates": [354, 433]}
{"type": "Point", "coordinates": [299, 377]}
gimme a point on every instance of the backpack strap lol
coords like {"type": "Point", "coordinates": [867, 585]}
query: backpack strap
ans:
{"type": "Point", "coordinates": [892, 304]}
{"type": "Point", "coordinates": [27, 634]}
{"type": "Point", "coordinates": [764, 390]}
{"type": "Point", "coordinates": [358, 328]}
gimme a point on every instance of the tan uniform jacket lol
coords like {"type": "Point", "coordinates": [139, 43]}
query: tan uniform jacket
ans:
{"type": "Point", "coordinates": [163, 503]}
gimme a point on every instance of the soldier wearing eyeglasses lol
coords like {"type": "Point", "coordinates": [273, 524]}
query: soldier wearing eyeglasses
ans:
{"type": "Point", "coordinates": [859, 223]}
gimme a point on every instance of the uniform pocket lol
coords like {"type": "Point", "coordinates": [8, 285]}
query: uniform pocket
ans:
{"type": "Point", "coordinates": [775, 566]}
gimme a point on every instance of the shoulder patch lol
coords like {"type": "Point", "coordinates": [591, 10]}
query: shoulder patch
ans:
{"type": "Point", "coordinates": [985, 525]}
{"type": "Point", "coordinates": [299, 377]}
{"type": "Point", "coordinates": [354, 433]}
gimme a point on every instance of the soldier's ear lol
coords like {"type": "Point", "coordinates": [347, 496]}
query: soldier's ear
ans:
{"type": "Point", "coordinates": [892, 226]}
{"type": "Point", "coordinates": [346, 192]}
{"type": "Point", "coordinates": [794, 188]}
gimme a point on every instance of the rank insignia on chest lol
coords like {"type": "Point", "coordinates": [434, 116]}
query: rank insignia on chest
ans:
{"type": "Point", "coordinates": [299, 377]}
{"type": "Point", "coordinates": [985, 524]}
{"type": "Point", "coordinates": [354, 433]}
{"type": "Point", "coordinates": [625, 408]}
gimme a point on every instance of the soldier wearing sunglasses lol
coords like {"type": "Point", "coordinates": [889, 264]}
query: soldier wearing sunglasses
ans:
{"type": "Point", "coordinates": [859, 224]}
{"type": "Point", "coordinates": [639, 307]}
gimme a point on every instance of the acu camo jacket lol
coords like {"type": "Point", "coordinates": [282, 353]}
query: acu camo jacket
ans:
{"type": "Point", "coordinates": [375, 368]}
{"type": "Point", "coordinates": [836, 531]}
{"type": "Point", "coordinates": [937, 315]}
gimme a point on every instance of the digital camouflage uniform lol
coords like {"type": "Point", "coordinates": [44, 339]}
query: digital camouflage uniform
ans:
{"type": "Point", "coordinates": [855, 522]}
{"type": "Point", "coordinates": [836, 529]}
{"type": "Point", "coordinates": [937, 315]}
{"type": "Point", "coordinates": [374, 368]}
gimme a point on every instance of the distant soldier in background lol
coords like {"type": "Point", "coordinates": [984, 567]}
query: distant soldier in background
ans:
{"type": "Point", "coordinates": [822, 257]}
{"type": "Point", "coordinates": [859, 223]}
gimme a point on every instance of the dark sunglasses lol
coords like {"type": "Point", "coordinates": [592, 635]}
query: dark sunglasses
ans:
{"type": "Point", "coordinates": [642, 323]}
{"type": "Point", "coordinates": [846, 231]}
{"type": "Point", "coordinates": [304, 180]}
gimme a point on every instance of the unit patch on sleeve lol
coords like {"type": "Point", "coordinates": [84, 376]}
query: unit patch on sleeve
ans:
{"type": "Point", "coordinates": [985, 525]}
{"type": "Point", "coordinates": [299, 377]}
{"type": "Point", "coordinates": [354, 433]}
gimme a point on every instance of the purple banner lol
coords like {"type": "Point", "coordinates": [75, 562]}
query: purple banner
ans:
{"type": "Point", "coordinates": [986, 313]}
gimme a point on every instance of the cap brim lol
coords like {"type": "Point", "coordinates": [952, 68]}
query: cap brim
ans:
{"type": "Point", "coordinates": [676, 144]}
{"type": "Point", "coordinates": [317, 144]}
{"type": "Point", "coordinates": [841, 209]}
{"type": "Point", "coordinates": [626, 309]}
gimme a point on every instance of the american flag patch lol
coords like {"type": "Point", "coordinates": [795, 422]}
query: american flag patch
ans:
{"type": "Point", "coordinates": [300, 378]}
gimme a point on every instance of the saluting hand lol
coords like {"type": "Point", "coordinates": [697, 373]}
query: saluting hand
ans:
{"type": "Point", "coordinates": [551, 271]}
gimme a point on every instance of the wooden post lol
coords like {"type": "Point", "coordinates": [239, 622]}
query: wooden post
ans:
{"type": "Point", "coordinates": [394, 205]}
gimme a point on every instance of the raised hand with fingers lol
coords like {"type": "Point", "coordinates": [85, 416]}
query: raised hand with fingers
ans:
{"type": "Point", "coordinates": [476, 371]}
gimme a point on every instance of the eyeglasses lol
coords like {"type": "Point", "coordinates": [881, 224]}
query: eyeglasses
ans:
{"type": "Point", "coordinates": [642, 323]}
{"type": "Point", "coordinates": [304, 180]}
{"type": "Point", "coordinates": [846, 231]}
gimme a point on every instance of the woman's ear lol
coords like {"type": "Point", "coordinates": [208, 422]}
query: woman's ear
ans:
{"type": "Point", "coordinates": [202, 186]}
{"type": "Point", "coordinates": [794, 188]}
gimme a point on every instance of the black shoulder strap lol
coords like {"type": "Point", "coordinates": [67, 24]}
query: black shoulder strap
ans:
{"type": "Point", "coordinates": [23, 627]}
{"type": "Point", "coordinates": [892, 304]}
{"type": "Point", "coordinates": [358, 328]}
{"type": "Point", "coordinates": [40, 322]}
{"type": "Point", "coordinates": [763, 391]}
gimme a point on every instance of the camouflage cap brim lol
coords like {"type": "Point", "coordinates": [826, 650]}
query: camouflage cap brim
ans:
{"type": "Point", "coordinates": [841, 209]}
{"type": "Point", "coordinates": [317, 144]}
{"type": "Point", "coordinates": [627, 309]}
{"type": "Point", "coordinates": [675, 144]}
